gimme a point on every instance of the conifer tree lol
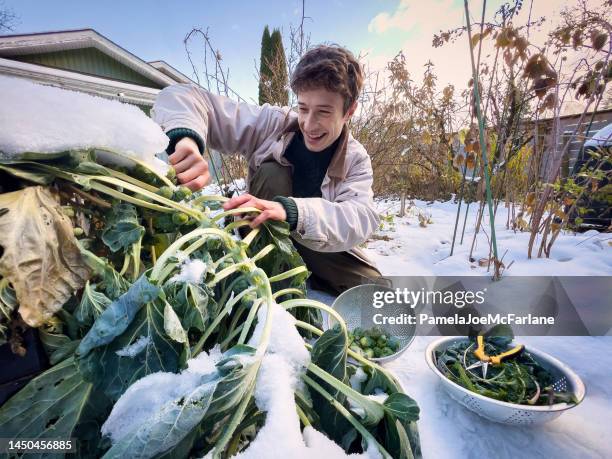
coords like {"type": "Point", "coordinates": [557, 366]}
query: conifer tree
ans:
{"type": "Point", "coordinates": [264, 69]}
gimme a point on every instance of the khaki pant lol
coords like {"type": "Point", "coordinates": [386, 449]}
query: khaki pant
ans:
{"type": "Point", "coordinates": [334, 272]}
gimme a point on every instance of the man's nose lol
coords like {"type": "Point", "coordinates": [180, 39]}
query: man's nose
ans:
{"type": "Point", "coordinates": [310, 121]}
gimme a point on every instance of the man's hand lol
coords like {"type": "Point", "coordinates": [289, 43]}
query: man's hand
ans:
{"type": "Point", "coordinates": [191, 168]}
{"type": "Point", "coordinates": [271, 210]}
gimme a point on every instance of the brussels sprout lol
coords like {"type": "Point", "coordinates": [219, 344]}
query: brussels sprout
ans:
{"type": "Point", "coordinates": [181, 193]}
{"type": "Point", "coordinates": [377, 351]}
{"type": "Point", "coordinates": [382, 341]}
{"type": "Point", "coordinates": [78, 231]}
{"type": "Point", "coordinates": [387, 351]}
{"type": "Point", "coordinates": [166, 192]}
{"type": "Point", "coordinates": [375, 332]}
{"type": "Point", "coordinates": [355, 348]}
{"type": "Point", "coordinates": [366, 342]}
{"type": "Point", "coordinates": [369, 353]}
{"type": "Point", "coordinates": [180, 218]}
{"type": "Point", "coordinates": [68, 211]}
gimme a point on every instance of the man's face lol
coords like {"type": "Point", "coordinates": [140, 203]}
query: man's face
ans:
{"type": "Point", "coordinates": [321, 117]}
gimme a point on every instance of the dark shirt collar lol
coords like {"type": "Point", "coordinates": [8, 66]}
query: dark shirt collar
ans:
{"type": "Point", "coordinates": [336, 167]}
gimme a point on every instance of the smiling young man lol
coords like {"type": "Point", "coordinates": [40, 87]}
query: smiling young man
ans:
{"type": "Point", "coordinates": [305, 168]}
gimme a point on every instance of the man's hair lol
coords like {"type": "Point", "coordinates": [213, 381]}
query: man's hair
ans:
{"type": "Point", "coordinates": [330, 67]}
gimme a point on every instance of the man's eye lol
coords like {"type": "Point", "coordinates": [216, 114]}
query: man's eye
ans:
{"type": "Point", "coordinates": [324, 113]}
{"type": "Point", "coordinates": [302, 110]}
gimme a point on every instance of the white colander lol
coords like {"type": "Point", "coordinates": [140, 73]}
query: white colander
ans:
{"type": "Point", "coordinates": [504, 412]}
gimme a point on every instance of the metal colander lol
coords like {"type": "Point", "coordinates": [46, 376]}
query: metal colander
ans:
{"type": "Point", "coordinates": [355, 306]}
{"type": "Point", "coordinates": [504, 412]}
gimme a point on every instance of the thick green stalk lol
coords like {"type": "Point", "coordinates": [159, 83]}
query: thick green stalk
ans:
{"type": "Point", "coordinates": [227, 272]}
{"type": "Point", "coordinates": [302, 416]}
{"type": "Point", "coordinates": [370, 406]}
{"type": "Point", "coordinates": [86, 182]}
{"type": "Point", "coordinates": [246, 326]}
{"type": "Point", "coordinates": [210, 197]}
{"type": "Point", "coordinates": [163, 178]}
{"type": "Point", "coordinates": [318, 305]}
{"type": "Point", "coordinates": [126, 262]}
{"type": "Point", "coordinates": [232, 334]}
{"type": "Point", "coordinates": [198, 347]}
{"type": "Point", "coordinates": [288, 274]}
{"type": "Point", "coordinates": [288, 291]}
{"type": "Point", "coordinates": [237, 211]}
{"type": "Point", "coordinates": [237, 224]}
{"type": "Point", "coordinates": [176, 246]}
{"type": "Point", "coordinates": [132, 180]}
{"type": "Point", "coordinates": [263, 252]}
{"type": "Point", "coordinates": [368, 437]}
{"type": "Point", "coordinates": [136, 249]}
{"type": "Point", "coordinates": [261, 350]}
{"type": "Point", "coordinates": [155, 197]}
{"type": "Point", "coordinates": [251, 236]}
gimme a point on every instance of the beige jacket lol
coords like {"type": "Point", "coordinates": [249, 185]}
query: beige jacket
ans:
{"type": "Point", "coordinates": [339, 221]}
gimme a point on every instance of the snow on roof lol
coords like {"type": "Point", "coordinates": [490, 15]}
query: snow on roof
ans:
{"type": "Point", "coordinates": [46, 119]}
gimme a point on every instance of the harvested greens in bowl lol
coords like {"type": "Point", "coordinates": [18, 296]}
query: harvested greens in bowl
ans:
{"type": "Point", "coordinates": [492, 367]}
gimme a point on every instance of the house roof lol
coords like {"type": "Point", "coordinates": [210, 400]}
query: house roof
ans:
{"type": "Point", "coordinates": [46, 42]}
{"type": "Point", "coordinates": [173, 73]}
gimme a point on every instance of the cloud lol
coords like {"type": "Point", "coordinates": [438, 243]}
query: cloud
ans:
{"type": "Point", "coordinates": [411, 14]}
{"type": "Point", "coordinates": [451, 61]}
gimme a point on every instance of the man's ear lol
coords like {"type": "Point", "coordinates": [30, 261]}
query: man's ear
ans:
{"type": "Point", "coordinates": [350, 111]}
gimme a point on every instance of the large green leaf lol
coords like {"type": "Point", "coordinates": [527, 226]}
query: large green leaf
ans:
{"type": "Point", "coordinates": [378, 380]}
{"type": "Point", "coordinates": [402, 407]}
{"type": "Point", "coordinates": [57, 404]}
{"type": "Point", "coordinates": [172, 325]}
{"type": "Point", "coordinates": [170, 425]}
{"type": "Point", "coordinates": [329, 354]}
{"type": "Point", "coordinates": [396, 439]}
{"type": "Point", "coordinates": [193, 304]}
{"type": "Point", "coordinates": [117, 317]}
{"type": "Point", "coordinates": [57, 345]}
{"type": "Point", "coordinates": [217, 395]}
{"type": "Point", "coordinates": [111, 282]}
{"type": "Point", "coordinates": [92, 304]}
{"type": "Point", "coordinates": [122, 228]}
{"type": "Point", "coordinates": [114, 373]}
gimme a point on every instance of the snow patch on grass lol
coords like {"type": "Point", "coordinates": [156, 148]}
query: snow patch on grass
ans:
{"type": "Point", "coordinates": [405, 248]}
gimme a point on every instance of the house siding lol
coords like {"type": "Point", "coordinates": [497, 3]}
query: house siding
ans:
{"type": "Point", "coordinates": [89, 61]}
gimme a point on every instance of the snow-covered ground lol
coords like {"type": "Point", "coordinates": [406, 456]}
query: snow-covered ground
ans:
{"type": "Point", "coordinates": [406, 248]}
{"type": "Point", "coordinates": [448, 430]}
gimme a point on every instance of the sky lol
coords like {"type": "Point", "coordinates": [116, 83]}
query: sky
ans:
{"type": "Point", "coordinates": [375, 29]}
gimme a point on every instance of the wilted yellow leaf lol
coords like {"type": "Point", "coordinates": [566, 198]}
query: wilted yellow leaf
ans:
{"type": "Point", "coordinates": [41, 258]}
